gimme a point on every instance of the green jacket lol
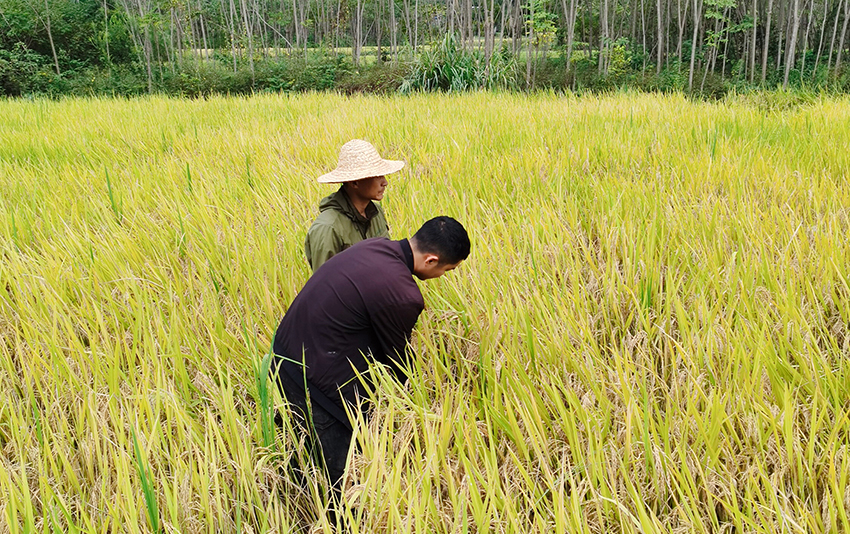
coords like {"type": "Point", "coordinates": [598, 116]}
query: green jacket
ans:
{"type": "Point", "coordinates": [339, 225]}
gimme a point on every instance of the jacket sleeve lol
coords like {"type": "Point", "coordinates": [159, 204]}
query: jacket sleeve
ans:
{"type": "Point", "coordinates": [393, 325]}
{"type": "Point", "coordinates": [321, 244]}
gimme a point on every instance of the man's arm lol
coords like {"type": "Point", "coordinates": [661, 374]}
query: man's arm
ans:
{"type": "Point", "coordinates": [322, 244]}
{"type": "Point", "coordinates": [393, 325]}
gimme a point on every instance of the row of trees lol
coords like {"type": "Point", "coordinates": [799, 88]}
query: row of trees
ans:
{"type": "Point", "coordinates": [747, 40]}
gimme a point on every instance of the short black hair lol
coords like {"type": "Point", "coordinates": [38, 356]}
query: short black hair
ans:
{"type": "Point", "coordinates": [444, 237]}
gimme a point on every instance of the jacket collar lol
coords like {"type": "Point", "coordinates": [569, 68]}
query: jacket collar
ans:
{"type": "Point", "coordinates": [341, 197]}
{"type": "Point", "coordinates": [407, 252]}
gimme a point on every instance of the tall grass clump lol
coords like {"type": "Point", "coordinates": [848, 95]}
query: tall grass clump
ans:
{"type": "Point", "coordinates": [448, 66]}
{"type": "Point", "coordinates": [652, 333]}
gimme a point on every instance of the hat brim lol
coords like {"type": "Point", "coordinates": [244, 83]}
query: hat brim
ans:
{"type": "Point", "coordinates": [337, 176]}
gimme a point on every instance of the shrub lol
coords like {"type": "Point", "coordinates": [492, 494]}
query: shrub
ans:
{"type": "Point", "coordinates": [23, 71]}
{"type": "Point", "coordinates": [448, 67]}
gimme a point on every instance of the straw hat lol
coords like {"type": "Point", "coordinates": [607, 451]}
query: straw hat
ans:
{"type": "Point", "coordinates": [358, 159]}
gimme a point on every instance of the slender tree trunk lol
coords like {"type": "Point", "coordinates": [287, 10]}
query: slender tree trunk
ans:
{"type": "Point", "coordinates": [250, 37]}
{"type": "Point", "coordinates": [682, 22]}
{"type": "Point", "coordinates": [296, 25]}
{"type": "Point", "coordinates": [642, 34]}
{"type": "Point", "coordinates": [48, 27]}
{"type": "Point", "coordinates": [469, 42]}
{"type": "Point", "coordinates": [233, 34]}
{"type": "Point", "coordinates": [834, 34]}
{"type": "Point", "coordinates": [358, 32]}
{"type": "Point", "coordinates": [106, 32]}
{"type": "Point", "coordinates": [149, 59]}
{"type": "Point", "coordinates": [488, 36]}
{"type": "Point", "coordinates": [530, 44]}
{"type": "Point", "coordinates": [338, 24]}
{"type": "Point", "coordinates": [661, 32]}
{"type": "Point", "coordinates": [603, 36]}
{"type": "Point", "coordinates": [204, 33]}
{"type": "Point", "coordinates": [725, 55]}
{"type": "Point", "coordinates": [517, 25]}
{"type": "Point", "coordinates": [843, 35]}
{"type": "Point", "coordinates": [378, 34]}
{"type": "Point", "coordinates": [809, 18]}
{"type": "Point", "coordinates": [766, 41]}
{"type": "Point", "coordinates": [393, 32]}
{"type": "Point", "coordinates": [781, 43]}
{"type": "Point", "coordinates": [407, 25]}
{"type": "Point", "coordinates": [752, 49]}
{"type": "Point", "coordinates": [506, 8]}
{"type": "Point", "coordinates": [570, 16]}
{"type": "Point", "coordinates": [697, 13]}
{"type": "Point", "coordinates": [822, 31]}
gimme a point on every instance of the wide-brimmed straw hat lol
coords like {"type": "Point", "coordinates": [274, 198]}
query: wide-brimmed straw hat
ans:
{"type": "Point", "coordinates": [358, 159]}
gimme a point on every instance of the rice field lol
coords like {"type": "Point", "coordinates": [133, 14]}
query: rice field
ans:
{"type": "Point", "coordinates": [652, 333]}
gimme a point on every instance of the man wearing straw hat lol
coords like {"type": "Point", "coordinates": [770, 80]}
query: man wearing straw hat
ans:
{"type": "Point", "coordinates": [350, 215]}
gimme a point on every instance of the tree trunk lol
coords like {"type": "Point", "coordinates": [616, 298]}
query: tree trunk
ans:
{"type": "Point", "coordinates": [250, 36]}
{"type": "Point", "coordinates": [106, 32]}
{"type": "Point", "coordinates": [809, 18]}
{"type": "Point", "coordinates": [528, 48]}
{"type": "Point", "coordinates": [766, 41]}
{"type": "Point", "coordinates": [517, 24]}
{"type": "Point", "coordinates": [843, 35]}
{"type": "Point", "coordinates": [358, 32]}
{"type": "Point", "coordinates": [570, 16]}
{"type": "Point", "coordinates": [45, 21]}
{"type": "Point", "coordinates": [204, 34]}
{"type": "Point", "coordinates": [781, 43]}
{"type": "Point", "coordinates": [233, 33]}
{"type": "Point", "coordinates": [407, 25]}
{"type": "Point", "coordinates": [822, 31]}
{"type": "Point", "coordinates": [661, 32]}
{"type": "Point", "coordinates": [296, 25]}
{"type": "Point", "coordinates": [469, 42]}
{"type": "Point", "coordinates": [488, 36]}
{"type": "Point", "coordinates": [603, 36]}
{"type": "Point", "coordinates": [752, 50]}
{"type": "Point", "coordinates": [682, 22]}
{"type": "Point", "coordinates": [378, 31]}
{"type": "Point", "coordinates": [697, 13]}
{"type": "Point", "coordinates": [149, 59]}
{"type": "Point", "coordinates": [834, 35]}
{"type": "Point", "coordinates": [393, 32]}
{"type": "Point", "coordinates": [642, 34]}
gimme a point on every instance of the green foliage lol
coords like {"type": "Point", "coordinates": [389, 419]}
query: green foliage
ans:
{"type": "Point", "coordinates": [447, 66]}
{"type": "Point", "coordinates": [24, 71]}
{"type": "Point", "coordinates": [540, 23]}
{"type": "Point", "coordinates": [147, 486]}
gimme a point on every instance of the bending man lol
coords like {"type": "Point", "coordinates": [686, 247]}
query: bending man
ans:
{"type": "Point", "coordinates": [361, 306]}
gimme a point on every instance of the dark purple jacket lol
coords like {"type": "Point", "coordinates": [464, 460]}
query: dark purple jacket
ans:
{"type": "Point", "coordinates": [361, 303]}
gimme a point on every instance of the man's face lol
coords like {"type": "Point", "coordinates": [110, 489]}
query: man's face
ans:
{"type": "Point", "coordinates": [371, 188]}
{"type": "Point", "coordinates": [433, 268]}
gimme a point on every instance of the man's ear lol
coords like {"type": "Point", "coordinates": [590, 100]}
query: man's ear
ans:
{"type": "Point", "coordinates": [432, 259]}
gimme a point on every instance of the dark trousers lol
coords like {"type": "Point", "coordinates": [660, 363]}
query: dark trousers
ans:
{"type": "Point", "coordinates": [327, 438]}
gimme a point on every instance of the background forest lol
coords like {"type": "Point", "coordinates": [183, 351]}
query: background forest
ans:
{"type": "Point", "coordinates": [195, 47]}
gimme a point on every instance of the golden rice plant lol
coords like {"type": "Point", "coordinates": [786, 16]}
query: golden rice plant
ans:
{"type": "Point", "coordinates": [652, 333]}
